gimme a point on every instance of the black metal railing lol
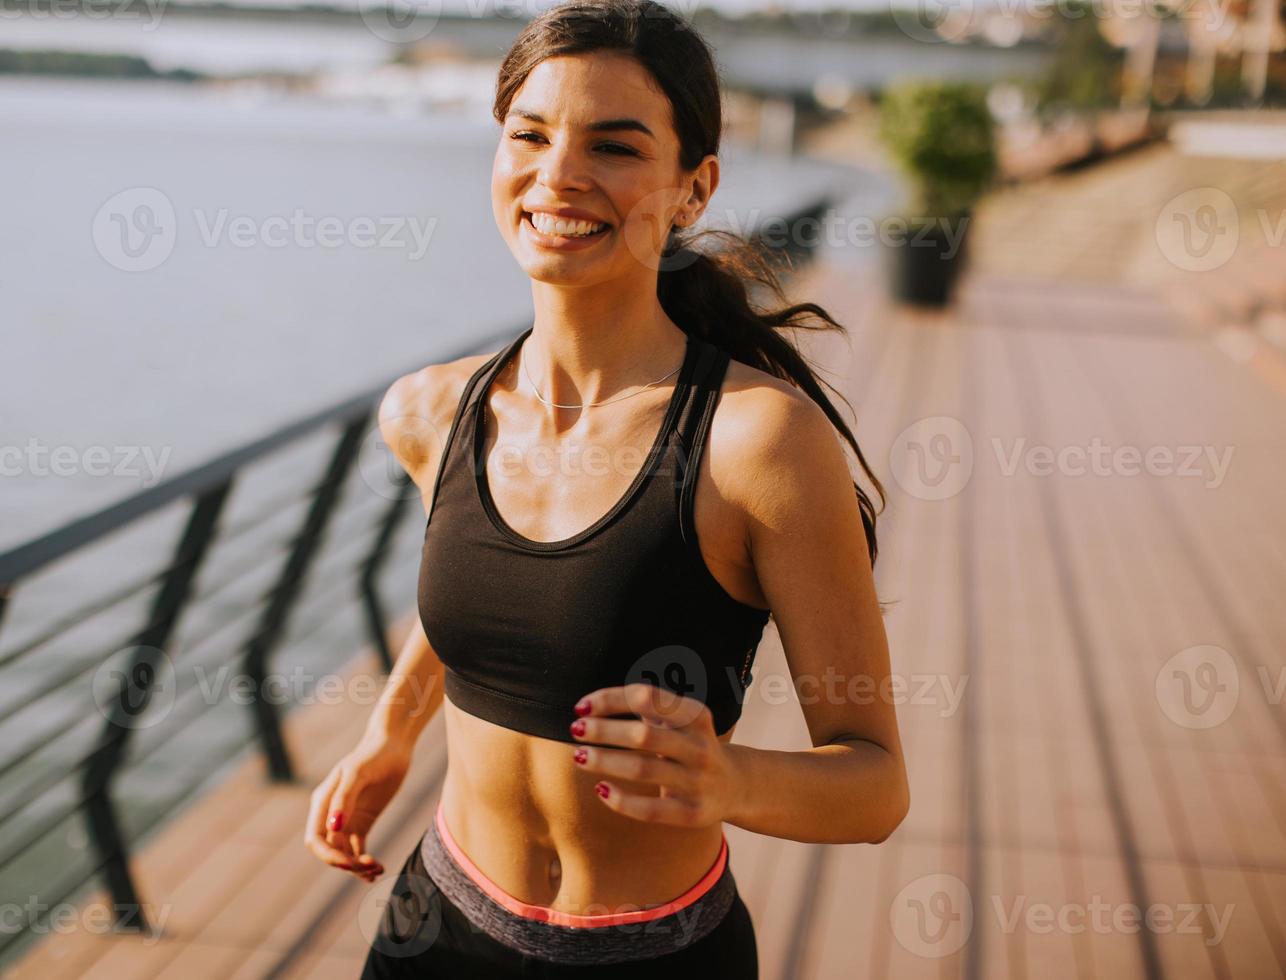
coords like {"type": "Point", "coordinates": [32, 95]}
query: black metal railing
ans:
{"type": "Point", "coordinates": [62, 759]}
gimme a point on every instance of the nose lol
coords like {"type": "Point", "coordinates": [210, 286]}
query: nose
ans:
{"type": "Point", "coordinates": [562, 166]}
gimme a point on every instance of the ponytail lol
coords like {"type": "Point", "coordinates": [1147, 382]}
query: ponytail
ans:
{"type": "Point", "coordinates": [707, 295]}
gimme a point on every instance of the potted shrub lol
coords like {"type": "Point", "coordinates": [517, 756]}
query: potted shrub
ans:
{"type": "Point", "coordinates": [941, 136]}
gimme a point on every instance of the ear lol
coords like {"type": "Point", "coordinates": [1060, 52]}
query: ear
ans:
{"type": "Point", "coordinates": [705, 179]}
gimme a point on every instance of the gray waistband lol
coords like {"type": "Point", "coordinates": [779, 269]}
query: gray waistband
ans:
{"type": "Point", "coordinates": [560, 943]}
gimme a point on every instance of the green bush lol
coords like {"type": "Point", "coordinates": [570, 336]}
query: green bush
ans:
{"type": "Point", "coordinates": [942, 137]}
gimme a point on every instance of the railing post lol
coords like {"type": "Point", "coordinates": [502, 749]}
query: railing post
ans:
{"type": "Point", "coordinates": [284, 593]}
{"type": "Point", "coordinates": [132, 700]}
{"type": "Point", "coordinates": [375, 618]}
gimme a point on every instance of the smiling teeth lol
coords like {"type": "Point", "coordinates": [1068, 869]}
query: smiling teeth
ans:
{"type": "Point", "coordinates": [549, 225]}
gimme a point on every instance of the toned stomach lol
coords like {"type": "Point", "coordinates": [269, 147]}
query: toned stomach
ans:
{"type": "Point", "coordinates": [529, 819]}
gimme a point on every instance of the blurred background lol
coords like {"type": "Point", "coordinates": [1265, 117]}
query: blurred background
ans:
{"type": "Point", "coordinates": [1056, 233]}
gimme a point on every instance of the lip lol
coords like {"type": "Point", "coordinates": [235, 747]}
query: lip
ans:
{"type": "Point", "coordinates": [560, 243]}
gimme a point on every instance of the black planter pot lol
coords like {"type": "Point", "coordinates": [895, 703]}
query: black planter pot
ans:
{"type": "Point", "coordinates": [925, 263]}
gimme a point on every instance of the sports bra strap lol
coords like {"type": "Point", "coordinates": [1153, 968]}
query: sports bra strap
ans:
{"type": "Point", "coordinates": [694, 430]}
{"type": "Point", "coordinates": [466, 397]}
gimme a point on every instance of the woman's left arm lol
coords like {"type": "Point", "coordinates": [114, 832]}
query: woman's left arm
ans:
{"type": "Point", "coordinates": [808, 548]}
{"type": "Point", "coordinates": [810, 557]}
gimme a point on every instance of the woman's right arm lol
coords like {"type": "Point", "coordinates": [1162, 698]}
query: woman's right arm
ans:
{"type": "Point", "coordinates": [359, 787]}
{"type": "Point", "coordinates": [411, 696]}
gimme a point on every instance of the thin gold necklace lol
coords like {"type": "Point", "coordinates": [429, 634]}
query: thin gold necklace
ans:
{"type": "Point", "coordinates": [523, 361]}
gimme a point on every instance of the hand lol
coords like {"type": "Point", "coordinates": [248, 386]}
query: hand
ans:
{"type": "Point", "coordinates": [673, 746]}
{"type": "Point", "coordinates": [346, 803]}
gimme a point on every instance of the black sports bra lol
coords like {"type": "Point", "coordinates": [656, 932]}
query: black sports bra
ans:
{"type": "Point", "coordinates": [526, 628]}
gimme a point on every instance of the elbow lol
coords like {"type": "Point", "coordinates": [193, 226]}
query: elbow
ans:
{"type": "Point", "coordinates": [898, 807]}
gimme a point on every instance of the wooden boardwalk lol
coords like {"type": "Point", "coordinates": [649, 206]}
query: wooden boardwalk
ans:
{"type": "Point", "coordinates": [1092, 658]}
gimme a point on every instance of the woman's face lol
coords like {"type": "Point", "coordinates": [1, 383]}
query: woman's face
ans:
{"type": "Point", "coordinates": [555, 153]}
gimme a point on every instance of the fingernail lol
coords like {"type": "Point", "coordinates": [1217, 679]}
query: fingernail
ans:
{"type": "Point", "coordinates": [601, 789]}
{"type": "Point", "coordinates": [580, 755]}
{"type": "Point", "coordinates": [336, 821]}
{"type": "Point", "coordinates": [578, 727]}
{"type": "Point", "coordinates": [582, 706]}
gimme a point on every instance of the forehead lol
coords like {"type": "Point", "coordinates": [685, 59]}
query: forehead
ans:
{"type": "Point", "coordinates": [576, 90]}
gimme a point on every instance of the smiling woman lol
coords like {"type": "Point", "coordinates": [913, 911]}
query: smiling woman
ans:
{"type": "Point", "coordinates": [624, 494]}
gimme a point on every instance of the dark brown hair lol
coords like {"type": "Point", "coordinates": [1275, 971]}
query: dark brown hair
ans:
{"type": "Point", "coordinates": [706, 293]}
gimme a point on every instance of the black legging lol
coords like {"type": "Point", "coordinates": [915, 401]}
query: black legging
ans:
{"type": "Point", "coordinates": [422, 934]}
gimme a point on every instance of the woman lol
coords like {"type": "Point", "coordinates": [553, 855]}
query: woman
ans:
{"type": "Point", "coordinates": [590, 616]}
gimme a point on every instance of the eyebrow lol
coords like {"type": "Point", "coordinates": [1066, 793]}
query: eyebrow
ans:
{"type": "Point", "coordinates": [603, 125]}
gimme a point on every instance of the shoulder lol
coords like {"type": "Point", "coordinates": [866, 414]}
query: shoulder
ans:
{"type": "Point", "coordinates": [416, 412]}
{"type": "Point", "coordinates": [772, 448]}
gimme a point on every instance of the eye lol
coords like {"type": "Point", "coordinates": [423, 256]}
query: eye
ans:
{"type": "Point", "coordinates": [616, 149]}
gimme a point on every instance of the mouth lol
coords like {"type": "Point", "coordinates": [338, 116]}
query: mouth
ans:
{"type": "Point", "coordinates": [558, 230]}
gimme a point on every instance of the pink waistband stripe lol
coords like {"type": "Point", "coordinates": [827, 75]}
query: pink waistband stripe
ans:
{"type": "Point", "coordinates": [544, 913]}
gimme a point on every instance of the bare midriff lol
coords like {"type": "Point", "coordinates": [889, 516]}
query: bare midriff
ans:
{"type": "Point", "coordinates": [528, 817]}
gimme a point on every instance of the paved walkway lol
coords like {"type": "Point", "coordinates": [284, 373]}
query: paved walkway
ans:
{"type": "Point", "coordinates": [1084, 555]}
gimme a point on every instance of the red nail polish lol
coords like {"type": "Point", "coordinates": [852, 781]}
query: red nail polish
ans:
{"type": "Point", "coordinates": [583, 706]}
{"type": "Point", "coordinates": [578, 727]}
{"type": "Point", "coordinates": [336, 821]}
{"type": "Point", "coordinates": [580, 756]}
{"type": "Point", "coordinates": [601, 789]}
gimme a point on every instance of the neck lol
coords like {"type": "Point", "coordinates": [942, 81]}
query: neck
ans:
{"type": "Point", "coordinates": [588, 345]}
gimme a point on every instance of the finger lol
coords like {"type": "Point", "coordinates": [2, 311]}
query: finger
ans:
{"type": "Point", "coordinates": [672, 743]}
{"type": "Point", "coordinates": [656, 705]}
{"type": "Point", "coordinates": [332, 856]}
{"type": "Point", "coordinates": [675, 810]}
{"type": "Point", "coordinates": [318, 808]}
{"type": "Point", "coordinates": [639, 767]}
{"type": "Point", "coordinates": [342, 819]}
{"type": "Point", "coordinates": [661, 706]}
{"type": "Point", "coordinates": [357, 843]}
